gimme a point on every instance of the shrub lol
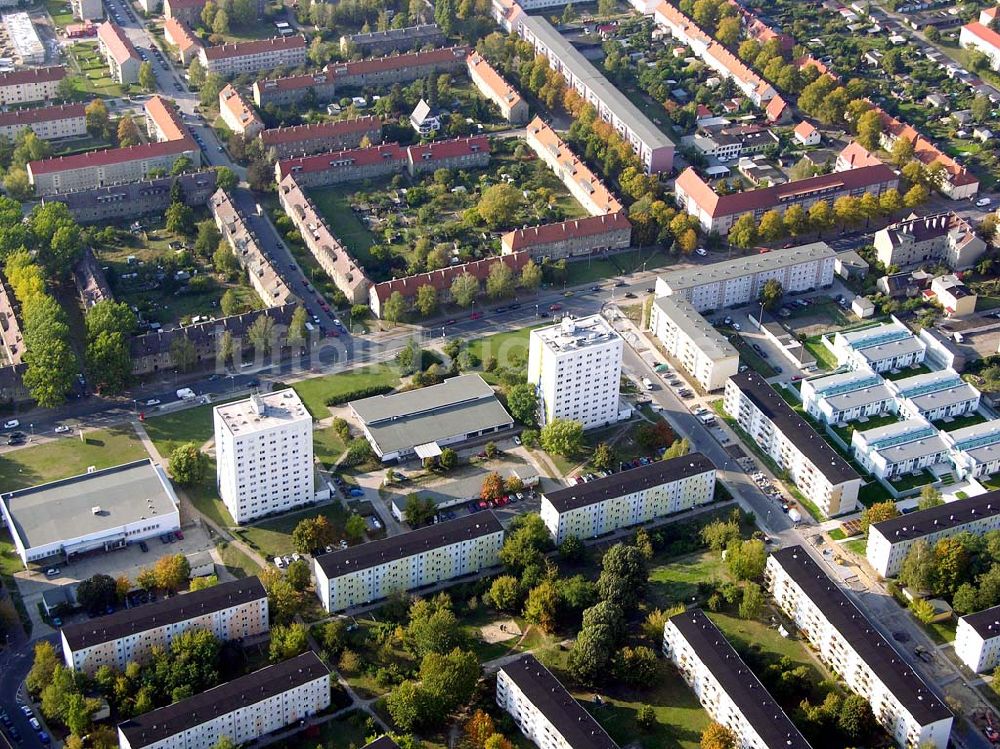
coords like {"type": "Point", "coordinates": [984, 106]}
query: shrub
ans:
{"type": "Point", "coordinates": [366, 392]}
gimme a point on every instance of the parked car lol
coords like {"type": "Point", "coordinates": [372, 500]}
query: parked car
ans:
{"type": "Point", "coordinates": [517, 440]}
{"type": "Point", "coordinates": [35, 724]}
{"type": "Point", "coordinates": [62, 429]}
{"type": "Point", "coordinates": [52, 572]}
{"type": "Point", "coordinates": [11, 424]}
{"type": "Point", "coordinates": [153, 402]}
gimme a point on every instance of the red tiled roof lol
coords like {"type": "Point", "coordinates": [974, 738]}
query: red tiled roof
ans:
{"type": "Point", "coordinates": [857, 156]}
{"type": "Point", "coordinates": [775, 108]}
{"type": "Point", "coordinates": [117, 42]}
{"type": "Point", "coordinates": [356, 156]}
{"type": "Point", "coordinates": [804, 129]}
{"type": "Point", "coordinates": [985, 33]}
{"type": "Point", "coordinates": [42, 114]}
{"type": "Point", "coordinates": [166, 119]}
{"type": "Point", "coordinates": [590, 226]}
{"type": "Point", "coordinates": [110, 156]}
{"type": "Point", "coordinates": [449, 149]}
{"type": "Point", "coordinates": [297, 133]}
{"type": "Point", "coordinates": [492, 79]}
{"type": "Point", "coordinates": [239, 107]}
{"type": "Point", "coordinates": [254, 47]}
{"type": "Point", "coordinates": [441, 279]}
{"type": "Point", "coordinates": [926, 151]}
{"type": "Point", "coordinates": [32, 75]}
{"type": "Point", "coordinates": [181, 34]}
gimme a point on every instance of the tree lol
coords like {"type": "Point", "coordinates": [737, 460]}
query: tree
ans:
{"type": "Point", "coordinates": [262, 334]}
{"type": "Point", "coordinates": [499, 204]}
{"type": "Point", "coordinates": [522, 401]}
{"type": "Point", "coordinates": [479, 728]}
{"type": "Point", "coordinates": [109, 362]}
{"type": "Point", "coordinates": [180, 219]}
{"type": "Point", "coordinates": [465, 289]}
{"type": "Point", "coordinates": [981, 108]}
{"type": "Point", "coordinates": [847, 209]}
{"type": "Point", "coordinates": [771, 293]}
{"type": "Point", "coordinates": [500, 282]}
{"type": "Point", "coordinates": [311, 534]}
{"type": "Point", "coordinates": [207, 581]}
{"type": "Point", "coordinates": [869, 129]}
{"type": "Point", "coordinates": [42, 667]}
{"type": "Point", "coordinates": [296, 333]}
{"type": "Point", "coordinates": [876, 513]}
{"type": "Point", "coordinates": [901, 152]}
{"type": "Point", "coordinates": [408, 704]}
{"type": "Point", "coordinates": [297, 574]}
{"type": "Point", "coordinates": [772, 226]}
{"type": "Point", "coordinates": [220, 24]}
{"type": "Point", "coordinates": [743, 233]}
{"type": "Point", "coordinates": [542, 605]}
{"type": "Point", "coordinates": [448, 459]}
{"type": "Point", "coordinates": [433, 627]}
{"type": "Point", "coordinates": [172, 572]}
{"type": "Point", "coordinates": [97, 118]}
{"type": "Point", "coordinates": [917, 571]}
{"type": "Point", "coordinates": [128, 132]}
{"type": "Point", "coordinates": [645, 717]}
{"type": "Point", "coordinates": [752, 603]}
{"type": "Point", "coordinates": [638, 666]}
{"type": "Point", "coordinates": [820, 216]}
{"type": "Point", "coordinates": [915, 196]}
{"type": "Point", "coordinates": [97, 593]}
{"type": "Point", "coordinates": [796, 221]}
{"type": "Point", "coordinates": [678, 449]}
{"type": "Point", "coordinates": [890, 201]}
{"type": "Point", "coordinates": [562, 437]}
{"type": "Point", "coordinates": [225, 178]}
{"type": "Point", "coordinates": [207, 238]}
{"type": "Point", "coordinates": [146, 579]}
{"type": "Point", "coordinates": [17, 185]}
{"type": "Point", "coordinates": [746, 559]}
{"type": "Point", "coordinates": [531, 275]}
{"type": "Point", "coordinates": [590, 657]}
{"type": "Point", "coordinates": [929, 497]}
{"type": "Point", "coordinates": [526, 541]}
{"type": "Point", "coordinates": [147, 77]}
{"type": "Point", "coordinates": [492, 487]}
{"type": "Point", "coordinates": [728, 31]}
{"type": "Point", "coordinates": [225, 262]}
{"type": "Point", "coordinates": [394, 308]}
{"type": "Point", "coordinates": [717, 736]}
{"type": "Point", "coordinates": [418, 510]}
{"type": "Point", "coordinates": [505, 593]}
{"type": "Point", "coordinates": [604, 457]}
{"type": "Point", "coordinates": [623, 577]}
{"type": "Point", "coordinates": [856, 719]}
{"type": "Point", "coordinates": [354, 528]}
{"type": "Point", "coordinates": [188, 464]}
{"type": "Point", "coordinates": [288, 641]}
{"type": "Point", "coordinates": [426, 301]}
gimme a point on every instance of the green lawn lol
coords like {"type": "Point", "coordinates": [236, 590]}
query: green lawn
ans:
{"type": "Point", "coordinates": [907, 482]}
{"type": "Point", "coordinates": [579, 272]}
{"type": "Point", "coordinates": [756, 636]}
{"type": "Point", "coordinates": [327, 446]}
{"type": "Point", "coordinates": [942, 632]}
{"type": "Point", "coordinates": [873, 492]}
{"type": "Point", "coordinates": [846, 433]}
{"type": "Point", "coordinates": [315, 391]}
{"type": "Point", "coordinates": [906, 372]}
{"type": "Point", "coordinates": [509, 349]}
{"type": "Point", "coordinates": [837, 534]}
{"type": "Point", "coordinates": [676, 581]}
{"type": "Point", "coordinates": [857, 545]}
{"type": "Point", "coordinates": [10, 563]}
{"type": "Point", "coordinates": [334, 206]}
{"type": "Point", "coordinates": [69, 456]}
{"type": "Point", "coordinates": [61, 12]}
{"type": "Point", "coordinates": [274, 537]}
{"type": "Point", "coordinates": [824, 357]}
{"type": "Point", "coordinates": [170, 431]}
{"type": "Point", "coordinates": [238, 563]}
{"type": "Point", "coordinates": [960, 422]}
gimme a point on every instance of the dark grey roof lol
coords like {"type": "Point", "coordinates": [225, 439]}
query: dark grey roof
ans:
{"type": "Point", "coordinates": [943, 517]}
{"type": "Point", "coordinates": [205, 333]}
{"type": "Point", "coordinates": [384, 550]}
{"type": "Point", "coordinates": [550, 697]}
{"type": "Point", "coordinates": [738, 681]}
{"type": "Point", "coordinates": [157, 725]}
{"type": "Point", "coordinates": [882, 658]}
{"type": "Point", "coordinates": [826, 460]}
{"type": "Point", "coordinates": [626, 482]}
{"type": "Point", "coordinates": [383, 742]}
{"type": "Point", "coordinates": [165, 611]}
{"type": "Point", "coordinates": [985, 623]}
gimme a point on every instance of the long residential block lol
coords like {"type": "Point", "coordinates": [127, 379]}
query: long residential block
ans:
{"type": "Point", "coordinates": [493, 86]}
{"type": "Point", "coordinates": [815, 467]}
{"type": "Point", "coordinates": [31, 84]}
{"type": "Point", "coordinates": [654, 149]}
{"type": "Point", "coordinates": [701, 349]}
{"type": "Point", "coordinates": [248, 58]}
{"type": "Point", "coordinates": [48, 123]}
{"type": "Point", "coordinates": [242, 710]}
{"type": "Point", "coordinates": [629, 498]}
{"type": "Point", "coordinates": [846, 396]}
{"type": "Point", "coordinates": [847, 642]}
{"type": "Point", "coordinates": [544, 711]}
{"type": "Point", "coordinates": [890, 541]}
{"type": "Point", "coordinates": [941, 237]}
{"type": "Point", "coordinates": [977, 640]}
{"type": "Point", "coordinates": [231, 611]}
{"type": "Point", "coordinates": [372, 571]}
{"type": "Point", "coordinates": [730, 284]}
{"type": "Point", "coordinates": [321, 137]}
{"type": "Point", "coordinates": [728, 690]}
{"type": "Point", "coordinates": [564, 239]}
{"type": "Point", "coordinates": [391, 40]}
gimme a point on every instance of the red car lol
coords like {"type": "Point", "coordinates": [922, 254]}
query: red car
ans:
{"type": "Point", "coordinates": [475, 315]}
{"type": "Point", "coordinates": [555, 307]}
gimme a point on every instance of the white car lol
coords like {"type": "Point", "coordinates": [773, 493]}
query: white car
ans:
{"type": "Point", "coordinates": [279, 563]}
{"type": "Point", "coordinates": [517, 440]}
{"type": "Point", "coordinates": [153, 402]}
{"type": "Point", "coordinates": [62, 429]}
{"type": "Point", "coordinates": [12, 424]}
{"type": "Point", "coordinates": [701, 251]}
{"type": "Point", "coordinates": [52, 572]}
{"type": "Point", "coordinates": [736, 327]}
{"type": "Point", "coordinates": [983, 202]}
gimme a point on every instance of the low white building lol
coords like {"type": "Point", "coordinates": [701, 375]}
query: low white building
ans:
{"type": "Point", "coordinates": [934, 395]}
{"type": "Point", "coordinates": [242, 710]}
{"type": "Point", "coordinates": [846, 397]}
{"type": "Point", "coordinates": [106, 509]}
{"type": "Point", "coordinates": [729, 691]}
{"type": "Point", "coordinates": [903, 447]}
{"type": "Point", "coordinates": [815, 467]}
{"type": "Point", "coordinates": [374, 570]}
{"type": "Point", "coordinates": [881, 347]}
{"type": "Point", "coordinates": [23, 36]}
{"type": "Point", "coordinates": [977, 640]}
{"type": "Point", "coordinates": [975, 450]}
{"type": "Point", "coordinates": [847, 642]}
{"type": "Point", "coordinates": [629, 497]}
{"type": "Point", "coordinates": [703, 351]}
{"type": "Point", "coordinates": [544, 711]}
{"type": "Point", "coordinates": [231, 611]}
{"type": "Point", "coordinates": [889, 541]}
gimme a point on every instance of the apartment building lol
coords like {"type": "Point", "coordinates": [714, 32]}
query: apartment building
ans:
{"type": "Point", "coordinates": [441, 280]}
{"type": "Point", "coordinates": [238, 114]}
{"type": "Point", "coordinates": [654, 149]}
{"type": "Point", "coordinates": [87, 10]}
{"type": "Point", "coordinates": [629, 498]}
{"type": "Point", "coordinates": [847, 642]}
{"type": "Point", "coordinates": [927, 240]}
{"type": "Point", "coordinates": [375, 72]}
{"type": "Point", "coordinates": [23, 38]}
{"type": "Point", "coordinates": [119, 53]}
{"type": "Point", "coordinates": [321, 137]}
{"type": "Point", "coordinates": [248, 58]}
{"type": "Point", "coordinates": [719, 285]}
{"type": "Point", "coordinates": [717, 213]}
{"type": "Point", "coordinates": [242, 710]}
{"type": "Point", "coordinates": [331, 255]}
{"type": "Point", "coordinates": [882, 347]}
{"type": "Point", "coordinates": [575, 366]}
{"type": "Point", "coordinates": [134, 199]}
{"type": "Point", "coordinates": [565, 239]}
{"type": "Point", "coordinates": [231, 611]}
{"type": "Point", "coordinates": [977, 640]}
{"type": "Point", "coordinates": [957, 299]}
{"type": "Point", "coordinates": [815, 467]}
{"type": "Point", "coordinates": [31, 84]}
{"type": "Point", "coordinates": [391, 40]}
{"type": "Point", "coordinates": [435, 553]}
{"type": "Point", "coordinates": [178, 35]}
{"type": "Point", "coordinates": [48, 123]}
{"type": "Point", "coordinates": [890, 541]}
{"type": "Point", "coordinates": [934, 395]}
{"type": "Point", "coordinates": [264, 454]}
{"type": "Point", "coordinates": [846, 397]}
{"type": "Point", "coordinates": [981, 37]}
{"type": "Point", "coordinates": [975, 450]}
{"type": "Point", "coordinates": [894, 450]}
{"type": "Point", "coordinates": [704, 352]}
{"type": "Point", "coordinates": [188, 11]}
{"type": "Point", "coordinates": [544, 711]}
{"type": "Point", "coordinates": [725, 686]}
{"type": "Point", "coordinates": [494, 87]}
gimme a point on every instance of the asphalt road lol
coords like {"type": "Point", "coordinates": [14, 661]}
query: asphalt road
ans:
{"type": "Point", "coordinates": [14, 666]}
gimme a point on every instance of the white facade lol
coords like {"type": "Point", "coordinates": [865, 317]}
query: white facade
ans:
{"type": "Point", "coordinates": [846, 642]}
{"type": "Point", "coordinates": [730, 284]}
{"type": "Point", "coordinates": [975, 450]}
{"type": "Point", "coordinates": [377, 569]}
{"type": "Point", "coordinates": [926, 240]}
{"type": "Point", "coordinates": [846, 397]}
{"type": "Point", "coordinates": [703, 351]}
{"type": "Point", "coordinates": [629, 498]}
{"type": "Point", "coordinates": [977, 640]}
{"type": "Point", "coordinates": [576, 366]}
{"type": "Point", "coordinates": [934, 395]}
{"type": "Point", "coordinates": [264, 455]}
{"type": "Point", "coordinates": [882, 347]}
{"type": "Point", "coordinates": [27, 45]}
{"type": "Point", "coordinates": [889, 541]}
{"type": "Point", "coordinates": [815, 467]}
{"type": "Point", "coordinates": [896, 449]}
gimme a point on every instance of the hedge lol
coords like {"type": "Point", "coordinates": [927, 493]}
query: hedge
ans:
{"type": "Point", "coordinates": [341, 398]}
